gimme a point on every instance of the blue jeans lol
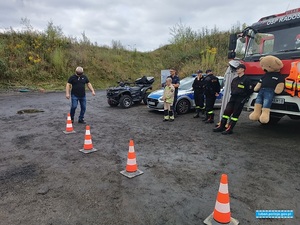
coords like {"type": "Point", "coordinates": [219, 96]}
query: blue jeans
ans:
{"type": "Point", "coordinates": [265, 97]}
{"type": "Point", "coordinates": [74, 103]}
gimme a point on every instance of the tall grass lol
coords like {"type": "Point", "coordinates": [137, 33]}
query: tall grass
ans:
{"type": "Point", "coordinates": [46, 59]}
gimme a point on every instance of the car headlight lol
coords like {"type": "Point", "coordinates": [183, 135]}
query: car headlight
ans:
{"type": "Point", "coordinates": [113, 92]}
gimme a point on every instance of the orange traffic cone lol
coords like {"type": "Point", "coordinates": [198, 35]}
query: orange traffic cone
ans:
{"type": "Point", "coordinates": [221, 214]}
{"type": "Point", "coordinates": [69, 126]}
{"type": "Point", "coordinates": [88, 145]}
{"type": "Point", "coordinates": [131, 167]}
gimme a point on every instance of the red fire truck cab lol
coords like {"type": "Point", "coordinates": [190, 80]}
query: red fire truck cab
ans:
{"type": "Point", "coordinates": [277, 35]}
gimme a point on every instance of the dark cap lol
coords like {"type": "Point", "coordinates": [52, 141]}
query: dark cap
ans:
{"type": "Point", "coordinates": [199, 71]}
{"type": "Point", "coordinates": [208, 71]}
{"type": "Point", "coordinates": [241, 66]}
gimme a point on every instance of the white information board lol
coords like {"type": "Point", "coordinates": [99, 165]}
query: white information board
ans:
{"type": "Point", "coordinates": [163, 76]}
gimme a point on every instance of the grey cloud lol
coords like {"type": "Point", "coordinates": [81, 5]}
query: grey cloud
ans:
{"type": "Point", "coordinates": [142, 24]}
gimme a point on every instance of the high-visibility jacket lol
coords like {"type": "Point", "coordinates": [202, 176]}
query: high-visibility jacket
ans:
{"type": "Point", "coordinates": [292, 82]}
{"type": "Point", "coordinates": [298, 85]}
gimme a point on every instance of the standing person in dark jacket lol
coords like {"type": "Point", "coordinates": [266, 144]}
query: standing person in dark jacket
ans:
{"type": "Point", "coordinates": [198, 87]}
{"type": "Point", "coordinates": [241, 88]}
{"type": "Point", "coordinates": [77, 83]}
{"type": "Point", "coordinates": [211, 91]}
{"type": "Point", "coordinates": [176, 83]}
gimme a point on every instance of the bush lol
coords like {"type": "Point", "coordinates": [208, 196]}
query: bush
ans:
{"type": "Point", "coordinates": [39, 57]}
{"type": "Point", "coordinates": [3, 70]}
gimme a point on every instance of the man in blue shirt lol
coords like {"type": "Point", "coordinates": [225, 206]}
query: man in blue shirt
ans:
{"type": "Point", "coordinates": [76, 84]}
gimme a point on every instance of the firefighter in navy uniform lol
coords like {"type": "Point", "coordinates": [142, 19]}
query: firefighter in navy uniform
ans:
{"type": "Point", "coordinates": [241, 89]}
{"type": "Point", "coordinates": [198, 87]}
{"type": "Point", "coordinates": [211, 91]}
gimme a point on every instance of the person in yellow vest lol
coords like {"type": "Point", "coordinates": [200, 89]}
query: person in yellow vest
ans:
{"type": "Point", "coordinates": [168, 98]}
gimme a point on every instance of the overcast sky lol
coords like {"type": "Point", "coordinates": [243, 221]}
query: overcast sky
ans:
{"type": "Point", "coordinates": [141, 24]}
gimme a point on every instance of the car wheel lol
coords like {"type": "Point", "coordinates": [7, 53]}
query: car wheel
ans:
{"type": "Point", "coordinates": [125, 101]}
{"type": "Point", "coordinates": [183, 106]}
{"type": "Point", "coordinates": [112, 103]}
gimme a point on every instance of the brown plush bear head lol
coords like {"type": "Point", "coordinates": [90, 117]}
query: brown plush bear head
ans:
{"type": "Point", "coordinates": [270, 63]}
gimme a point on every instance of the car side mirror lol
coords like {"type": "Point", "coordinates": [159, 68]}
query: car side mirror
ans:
{"type": "Point", "coordinates": [232, 42]}
{"type": "Point", "coordinates": [231, 55]}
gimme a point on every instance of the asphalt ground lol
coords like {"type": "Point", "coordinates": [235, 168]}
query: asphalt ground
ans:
{"type": "Point", "coordinates": [46, 180]}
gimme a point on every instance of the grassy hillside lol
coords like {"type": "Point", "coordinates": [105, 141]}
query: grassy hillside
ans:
{"type": "Point", "coordinates": [34, 59]}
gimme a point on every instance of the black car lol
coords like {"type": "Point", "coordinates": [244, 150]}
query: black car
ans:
{"type": "Point", "coordinates": [127, 93]}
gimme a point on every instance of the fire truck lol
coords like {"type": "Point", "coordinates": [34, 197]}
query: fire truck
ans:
{"type": "Point", "coordinates": [277, 35]}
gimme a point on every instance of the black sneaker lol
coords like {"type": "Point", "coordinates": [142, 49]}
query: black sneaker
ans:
{"type": "Point", "coordinates": [165, 120]}
{"type": "Point", "coordinates": [209, 121]}
{"type": "Point", "coordinates": [81, 121]}
{"type": "Point", "coordinates": [226, 132]}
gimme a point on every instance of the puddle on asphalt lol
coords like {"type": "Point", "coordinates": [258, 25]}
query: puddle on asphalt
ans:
{"type": "Point", "coordinates": [29, 111]}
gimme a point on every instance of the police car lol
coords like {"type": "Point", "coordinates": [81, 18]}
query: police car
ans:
{"type": "Point", "coordinates": [185, 101]}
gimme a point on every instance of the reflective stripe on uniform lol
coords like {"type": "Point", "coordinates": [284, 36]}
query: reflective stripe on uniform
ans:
{"type": "Point", "coordinates": [225, 117]}
{"type": "Point", "coordinates": [234, 119]}
{"type": "Point", "coordinates": [289, 84]}
{"type": "Point", "coordinates": [210, 112]}
{"type": "Point", "coordinates": [298, 86]}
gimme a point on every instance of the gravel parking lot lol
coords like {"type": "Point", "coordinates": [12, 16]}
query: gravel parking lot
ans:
{"type": "Point", "coordinates": [46, 180]}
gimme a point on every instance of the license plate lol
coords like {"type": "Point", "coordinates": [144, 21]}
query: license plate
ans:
{"type": "Point", "coordinates": [278, 101]}
{"type": "Point", "coordinates": [151, 103]}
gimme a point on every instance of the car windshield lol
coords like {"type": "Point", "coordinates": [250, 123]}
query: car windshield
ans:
{"type": "Point", "coordinates": [186, 83]}
{"type": "Point", "coordinates": [283, 40]}
{"type": "Point", "coordinates": [221, 81]}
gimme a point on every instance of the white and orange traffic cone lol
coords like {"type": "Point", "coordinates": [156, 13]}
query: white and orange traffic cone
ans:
{"type": "Point", "coordinates": [131, 167]}
{"type": "Point", "coordinates": [221, 214]}
{"type": "Point", "coordinates": [69, 126]}
{"type": "Point", "coordinates": [88, 144]}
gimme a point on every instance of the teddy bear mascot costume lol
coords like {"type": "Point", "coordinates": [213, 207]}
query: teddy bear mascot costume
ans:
{"type": "Point", "coordinates": [270, 84]}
